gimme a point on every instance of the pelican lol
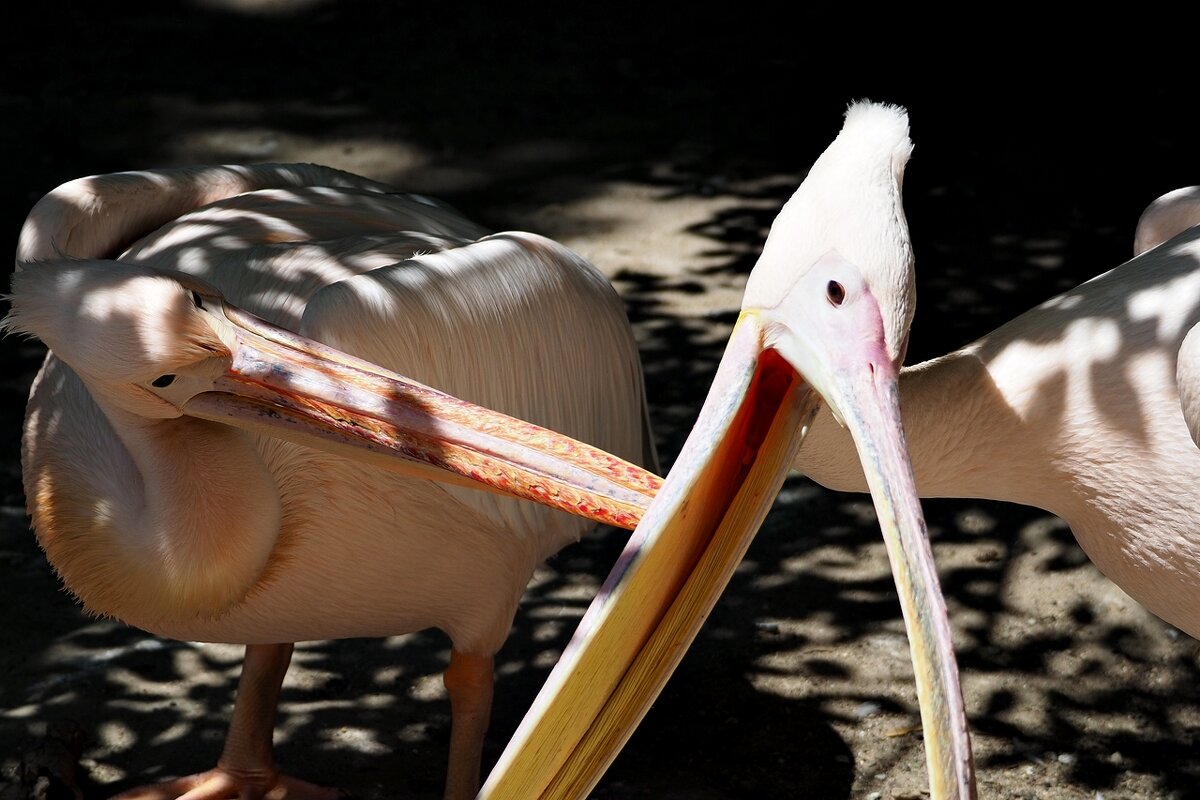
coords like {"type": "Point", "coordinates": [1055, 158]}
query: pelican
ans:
{"type": "Point", "coordinates": [202, 463]}
{"type": "Point", "coordinates": [825, 316]}
{"type": "Point", "coordinates": [1085, 406]}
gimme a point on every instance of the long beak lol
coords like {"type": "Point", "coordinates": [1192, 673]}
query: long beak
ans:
{"type": "Point", "coordinates": [871, 412]}
{"type": "Point", "coordinates": [284, 385]}
{"type": "Point", "coordinates": [694, 535]}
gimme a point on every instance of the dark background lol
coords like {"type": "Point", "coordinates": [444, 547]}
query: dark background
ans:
{"type": "Point", "coordinates": [1037, 147]}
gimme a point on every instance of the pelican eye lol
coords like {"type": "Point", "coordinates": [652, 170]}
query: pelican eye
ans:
{"type": "Point", "coordinates": [163, 381]}
{"type": "Point", "coordinates": [836, 292]}
{"type": "Point", "coordinates": [199, 302]}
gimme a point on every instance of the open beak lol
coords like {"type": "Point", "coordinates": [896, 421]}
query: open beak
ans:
{"type": "Point", "coordinates": [287, 386]}
{"type": "Point", "coordinates": [696, 531]}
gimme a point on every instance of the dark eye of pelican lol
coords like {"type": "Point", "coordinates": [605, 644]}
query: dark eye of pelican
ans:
{"type": "Point", "coordinates": [163, 381]}
{"type": "Point", "coordinates": [196, 299]}
{"type": "Point", "coordinates": [836, 292]}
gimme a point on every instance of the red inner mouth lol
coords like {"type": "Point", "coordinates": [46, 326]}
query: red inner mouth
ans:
{"type": "Point", "coordinates": [773, 379]}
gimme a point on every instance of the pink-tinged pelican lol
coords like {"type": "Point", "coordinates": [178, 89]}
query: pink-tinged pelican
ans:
{"type": "Point", "coordinates": [1085, 406]}
{"type": "Point", "coordinates": [825, 315]}
{"type": "Point", "coordinates": [201, 463]}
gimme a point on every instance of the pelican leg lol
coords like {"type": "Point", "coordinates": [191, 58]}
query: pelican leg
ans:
{"type": "Point", "coordinates": [246, 769]}
{"type": "Point", "coordinates": [469, 681]}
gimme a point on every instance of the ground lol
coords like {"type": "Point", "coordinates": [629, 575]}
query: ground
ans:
{"type": "Point", "coordinates": [658, 145]}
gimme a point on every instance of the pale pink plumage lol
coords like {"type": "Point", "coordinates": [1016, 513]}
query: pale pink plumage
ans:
{"type": "Point", "coordinates": [514, 322]}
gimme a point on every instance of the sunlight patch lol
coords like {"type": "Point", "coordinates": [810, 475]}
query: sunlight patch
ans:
{"type": "Point", "coordinates": [382, 158]}
{"type": "Point", "coordinates": [270, 8]}
{"type": "Point", "coordinates": [358, 740]}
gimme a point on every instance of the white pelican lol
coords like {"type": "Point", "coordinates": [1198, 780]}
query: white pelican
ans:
{"type": "Point", "coordinates": [828, 306]}
{"type": "Point", "coordinates": [1086, 406]}
{"type": "Point", "coordinates": [1080, 407]}
{"type": "Point", "coordinates": [163, 496]}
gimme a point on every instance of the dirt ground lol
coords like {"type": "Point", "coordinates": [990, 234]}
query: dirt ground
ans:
{"type": "Point", "coordinates": [659, 145]}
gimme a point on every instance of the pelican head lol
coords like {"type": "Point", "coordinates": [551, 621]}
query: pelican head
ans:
{"type": "Point", "coordinates": [134, 335]}
{"type": "Point", "coordinates": [152, 347]}
{"type": "Point", "coordinates": [843, 236]}
{"type": "Point", "coordinates": [825, 318]}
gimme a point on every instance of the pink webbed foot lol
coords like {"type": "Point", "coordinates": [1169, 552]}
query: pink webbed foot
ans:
{"type": "Point", "coordinates": [220, 784]}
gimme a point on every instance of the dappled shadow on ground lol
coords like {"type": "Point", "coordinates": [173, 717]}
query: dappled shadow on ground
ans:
{"type": "Point", "coordinates": [799, 684]}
